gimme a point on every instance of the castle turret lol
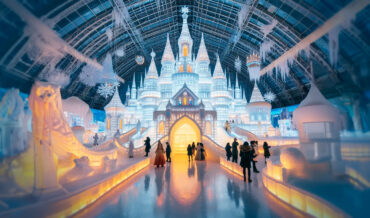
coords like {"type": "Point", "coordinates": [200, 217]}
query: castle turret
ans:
{"type": "Point", "coordinates": [202, 66]}
{"type": "Point", "coordinates": [114, 114]}
{"type": "Point", "coordinates": [259, 112]}
{"type": "Point", "coordinates": [184, 64]}
{"type": "Point", "coordinates": [185, 41]}
{"type": "Point", "coordinates": [168, 66]}
{"type": "Point", "coordinates": [237, 90]}
{"type": "Point", "coordinates": [221, 98]}
{"type": "Point", "coordinates": [133, 89]}
{"type": "Point", "coordinates": [150, 96]}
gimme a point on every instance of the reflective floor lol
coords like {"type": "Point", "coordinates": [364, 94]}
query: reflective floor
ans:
{"type": "Point", "coordinates": [183, 189]}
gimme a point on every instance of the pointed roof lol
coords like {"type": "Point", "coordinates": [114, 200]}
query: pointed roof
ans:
{"type": "Point", "coordinates": [256, 95]}
{"type": "Point", "coordinates": [229, 83]}
{"type": "Point", "coordinates": [185, 88]}
{"type": "Point", "coordinates": [152, 71]}
{"type": "Point", "coordinates": [141, 81]}
{"type": "Point", "coordinates": [314, 97]}
{"type": "Point", "coordinates": [115, 101]}
{"type": "Point", "coordinates": [202, 51]}
{"type": "Point", "coordinates": [185, 33]}
{"type": "Point", "coordinates": [218, 73]}
{"type": "Point", "coordinates": [237, 82]}
{"type": "Point", "coordinates": [167, 53]}
{"type": "Point", "coordinates": [134, 82]}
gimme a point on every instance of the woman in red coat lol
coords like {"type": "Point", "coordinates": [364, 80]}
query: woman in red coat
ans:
{"type": "Point", "coordinates": [159, 155]}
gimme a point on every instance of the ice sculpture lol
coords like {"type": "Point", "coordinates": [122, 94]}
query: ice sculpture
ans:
{"type": "Point", "coordinates": [77, 112]}
{"type": "Point", "coordinates": [13, 124]}
{"type": "Point", "coordinates": [318, 124]}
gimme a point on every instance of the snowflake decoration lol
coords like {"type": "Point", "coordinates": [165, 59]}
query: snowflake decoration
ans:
{"type": "Point", "coordinates": [106, 89]}
{"type": "Point", "coordinates": [270, 97]}
{"type": "Point", "coordinates": [238, 64]}
{"type": "Point", "coordinates": [184, 10]}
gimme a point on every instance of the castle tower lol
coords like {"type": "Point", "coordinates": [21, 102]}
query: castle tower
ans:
{"type": "Point", "coordinates": [202, 66]}
{"type": "Point", "coordinates": [185, 67]}
{"type": "Point", "coordinates": [168, 67]}
{"type": "Point", "coordinates": [185, 41]}
{"type": "Point", "coordinates": [150, 96]}
{"type": "Point", "coordinates": [114, 115]}
{"type": "Point", "coordinates": [221, 97]}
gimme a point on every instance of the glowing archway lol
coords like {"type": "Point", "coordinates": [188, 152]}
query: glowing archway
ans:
{"type": "Point", "coordinates": [183, 132]}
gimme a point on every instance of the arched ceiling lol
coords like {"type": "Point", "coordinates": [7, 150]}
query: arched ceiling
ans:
{"type": "Point", "coordinates": [83, 23]}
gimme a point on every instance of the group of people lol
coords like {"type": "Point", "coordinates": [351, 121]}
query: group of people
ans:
{"type": "Point", "coordinates": [199, 152]}
{"type": "Point", "coordinates": [248, 155]}
{"type": "Point", "coordinates": [159, 159]}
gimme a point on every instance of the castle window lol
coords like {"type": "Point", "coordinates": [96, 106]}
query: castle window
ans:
{"type": "Point", "coordinates": [108, 123]}
{"type": "Point", "coordinates": [185, 101]}
{"type": "Point", "coordinates": [120, 123]}
{"type": "Point", "coordinates": [190, 101]}
{"type": "Point", "coordinates": [185, 50]}
{"type": "Point", "coordinates": [179, 100]}
{"type": "Point", "coordinates": [181, 68]}
{"type": "Point", "coordinates": [188, 68]}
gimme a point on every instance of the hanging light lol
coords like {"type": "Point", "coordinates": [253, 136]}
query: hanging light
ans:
{"type": "Point", "coordinates": [253, 64]}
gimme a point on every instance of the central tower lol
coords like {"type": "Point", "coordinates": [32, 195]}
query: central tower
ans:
{"type": "Point", "coordinates": [185, 71]}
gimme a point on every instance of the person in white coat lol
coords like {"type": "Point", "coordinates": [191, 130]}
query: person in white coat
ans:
{"type": "Point", "coordinates": [131, 149]}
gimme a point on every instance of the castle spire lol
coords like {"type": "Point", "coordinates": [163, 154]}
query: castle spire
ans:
{"type": "Point", "coordinates": [218, 72]}
{"type": "Point", "coordinates": [134, 82]}
{"type": "Point", "coordinates": [167, 53]}
{"type": "Point", "coordinates": [152, 71]}
{"type": "Point", "coordinates": [256, 94]}
{"type": "Point", "coordinates": [185, 41]}
{"type": "Point", "coordinates": [202, 51]}
{"type": "Point", "coordinates": [237, 82]}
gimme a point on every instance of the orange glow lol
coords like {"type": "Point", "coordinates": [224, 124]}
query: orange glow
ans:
{"type": "Point", "coordinates": [161, 128]}
{"type": "Point", "coordinates": [181, 68]}
{"type": "Point", "coordinates": [120, 124]}
{"type": "Point", "coordinates": [300, 199]}
{"type": "Point", "coordinates": [185, 50]}
{"type": "Point", "coordinates": [77, 201]}
{"type": "Point", "coordinates": [184, 101]}
{"type": "Point", "coordinates": [185, 189]}
{"type": "Point", "coordinates": [184, 132]}
{"type": "Point", "coordinates": [188, 68]}
{"type": "Point", "coordinates": [108, 123]}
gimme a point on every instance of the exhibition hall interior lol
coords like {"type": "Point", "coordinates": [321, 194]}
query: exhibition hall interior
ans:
{"type": "Point", "coordinates": [184, 108]}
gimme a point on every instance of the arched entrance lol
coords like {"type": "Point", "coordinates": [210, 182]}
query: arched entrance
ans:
{"type": "Point", "coordinates": [183, 132]}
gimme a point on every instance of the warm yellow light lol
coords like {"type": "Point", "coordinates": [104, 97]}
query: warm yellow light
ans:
{"type": "Point", "coordinates": [188, 68]}
{"type": "Point", "coordinates": [161, 128]}
{"type": "Point", "coordinates": [108, 123]}
{"type": "Point", "coordinates": [184, 132]}
{"type": "Point", "coordinates": [120, 124]}
{"type": "Point", "coordinates": [182, 68]}
{"type": "Point", "coordinates": [185, 50]}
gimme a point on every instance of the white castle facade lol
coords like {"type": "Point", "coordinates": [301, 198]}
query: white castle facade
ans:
{"type": "Point", "coordinates": [185, 85]}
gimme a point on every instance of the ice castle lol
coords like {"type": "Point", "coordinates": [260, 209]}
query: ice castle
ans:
{"type": "Point", "coordinates": [186, 87]}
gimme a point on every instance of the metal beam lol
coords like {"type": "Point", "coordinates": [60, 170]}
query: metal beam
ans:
{"type": "Point", "coordinates": [340, 17]}
{"type": "Point", "coordinates": [42, 29]}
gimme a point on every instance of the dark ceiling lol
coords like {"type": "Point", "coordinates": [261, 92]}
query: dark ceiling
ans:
{"type": "Point", "coordinates": [82, 24]}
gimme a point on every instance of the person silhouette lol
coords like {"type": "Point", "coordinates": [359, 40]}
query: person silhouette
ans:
{"type": "Point", "coordinates": [245, 159]}
{"type": "Point", "coordinates": [159, 155]}
{"type": "Point", "coordinates": [235, 151]}
{"type": "Point", "coordinates": [96, 137]}
{"type": "Point", "coordinates": [266, 151]}
{"type": "Point", "coordinates": [254, 155]}
{"type": "Point", "coordinates": [147, 146]}
{"type": "Point", "coordinates": [168, 152]}
{"type": "Point", "coordinates": [131, 149]}
{"type": "Point", "coordinates": [228, 151]}
{"type": "Point", "coordinates": [190, 152]}
{"type": "Point", "coordinates": [202, 152]}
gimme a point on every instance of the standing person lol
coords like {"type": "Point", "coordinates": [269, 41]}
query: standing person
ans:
{"type": "Point", "coordinates": [117, 134]}
{"type": "Point", "coordinates": [131, 149]}
{"type": "Point", "coordinates": [147, 146]}
{"type": "Point", "coordinates": [168, 152]}
{"type": "Point", "coordinates": [235, 151]}
{"type": "Point", "coordinates": [203, 153]}
{"type": "Point", "coordinates": [245, 159]}
{"type": "Point", "coordinates": [254, 155]}
{"type": "Point", "coordinates": [190, 152]}
{"type": "Point", "coordinates": [198, 154]}
{"type": "Point", "coordinates": [193, 148]}
{"type": "Point", "coordinates": [159, 155]}
{"type": "Point", "coordinates": [228, 151]}
{"type": "Point", "coordinates": [96, 137]}
{"type": "Point", "coordinates": [266, 151]}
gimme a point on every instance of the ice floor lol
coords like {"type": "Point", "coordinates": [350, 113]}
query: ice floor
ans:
{"type": "Point", "coordinates": [183, 189]}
